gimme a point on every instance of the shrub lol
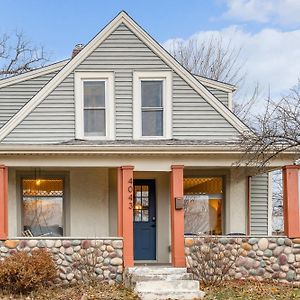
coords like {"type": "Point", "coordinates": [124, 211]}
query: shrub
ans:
{"type": "Point", "coordinates": [213, 260]}
{"type": "Point", "coordinates": [22, 272]}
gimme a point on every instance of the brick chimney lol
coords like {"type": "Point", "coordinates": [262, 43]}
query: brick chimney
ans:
{"type": "Point", "coordinates": [77, 49]}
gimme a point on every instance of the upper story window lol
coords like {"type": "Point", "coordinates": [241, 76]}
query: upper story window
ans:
{"type": "Point", "coordinates": [94, 105]}
{"type": "Point", "coordinates": [152, 105]}
{"type": "Point", "coordinates": [152, 108]}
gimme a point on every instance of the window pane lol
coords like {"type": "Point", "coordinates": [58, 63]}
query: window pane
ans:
{"type": "Point", "coordinates": [43, 206]}
{"type": "Point", "coordinates": [145, 215]}
{"type": "Point", "coordinates": [94, 122]}
{"type": "Point", "coordinates": [203, 197]}
{"type": "Point", "coordinates": [94, 93]}
{"type": "Point", "coordinates": [137, 215]}
{"type": "Point", "coordinates": [152, 93]}
{"type": "Point", "coordinates": [152, 123]}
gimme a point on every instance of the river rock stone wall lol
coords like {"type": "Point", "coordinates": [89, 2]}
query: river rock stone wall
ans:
{"type": "Point", "coordinates": [259, 258]}
{"type": "Point", "coordinates": [76, 259]}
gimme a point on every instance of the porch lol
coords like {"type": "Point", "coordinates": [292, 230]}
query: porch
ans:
{"type": "Point", "coordinates": [106, 203]}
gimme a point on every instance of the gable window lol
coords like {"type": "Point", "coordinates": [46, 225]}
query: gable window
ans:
{"type": "Point", "coordinates": [94, 105]}
{"type": "Point", "coordinates": [94, 108]}
{"type": "Point", "coordinates": [152, 105]}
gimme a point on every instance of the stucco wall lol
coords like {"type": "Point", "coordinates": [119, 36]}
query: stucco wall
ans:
{"type": "Point", "coordinates": [91, 207]}
{"type": "Point", "coordinates": [89, 202]}
{"type": "Point", "coordinates": [86, 208]}
{"type": "Point", "coordinates": [14, 206]}
{"type": "Point", "coordinates": [236, 208]}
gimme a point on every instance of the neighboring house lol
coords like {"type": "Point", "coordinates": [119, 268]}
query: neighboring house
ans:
{"type": "Point", "coordinates": [120, 142]}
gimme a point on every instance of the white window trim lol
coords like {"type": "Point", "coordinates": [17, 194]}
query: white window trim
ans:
{"type": "Point", "coordinates": [166, 77]}
{"type": "Point", "coordinates": [108, 77]}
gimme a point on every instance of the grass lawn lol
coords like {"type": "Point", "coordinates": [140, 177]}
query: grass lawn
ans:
{"type": "Point", "coordinates": [252, 290]}
{"type": "Point", "coordinates": [77, 292]}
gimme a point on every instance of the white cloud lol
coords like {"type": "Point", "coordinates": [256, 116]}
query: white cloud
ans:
{"type": "Point", "coordinates": [272, 57]}
{"type": "Point", "coordinates": [264, 11]}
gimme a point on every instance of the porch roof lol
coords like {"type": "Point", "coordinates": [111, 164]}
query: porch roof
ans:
{"type": "Point", "coordinates": [153, 146]}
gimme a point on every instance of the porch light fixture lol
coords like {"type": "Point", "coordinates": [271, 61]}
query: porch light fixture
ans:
{"type": "Point", "coordinates": [37, 177]}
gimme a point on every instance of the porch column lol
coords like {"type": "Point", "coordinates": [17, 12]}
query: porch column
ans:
{"type": "Point", "coordinates": [177, 217]}
{"type": "Point", "coordinates": [3, 202]}
{"type": "Point", "coordinates": [291, 205]}
{"type": "Point", "coordinates": [125, 214]}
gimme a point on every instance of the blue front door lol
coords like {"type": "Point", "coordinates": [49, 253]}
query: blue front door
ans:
{"type": "Point", "coordinates": [144, 220]}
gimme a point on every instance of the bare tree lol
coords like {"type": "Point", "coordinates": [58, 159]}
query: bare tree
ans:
{"type": "Point", "coordinates": [19, 55]}
{"type": "Point", "coordinates": [213, 58]}
{"type": "Point", "coordinates": [276, 130]}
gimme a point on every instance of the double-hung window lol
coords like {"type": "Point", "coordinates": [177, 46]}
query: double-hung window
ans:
{"type": "Point", "coordinates": [94, 105]}
{"type": "Point", "coordinates": [152, 105]}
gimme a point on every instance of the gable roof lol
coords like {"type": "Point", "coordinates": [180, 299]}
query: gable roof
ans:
{"type": "Point", "coordinates": [33, 74]}
{"type": "Point", "coordinates": [223, 86]}
{"type": "Point", "coordinates": [92, 45]}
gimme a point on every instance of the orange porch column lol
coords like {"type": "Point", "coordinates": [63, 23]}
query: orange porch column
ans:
{"type": "Point", "coordinates": [291, 206]}
{"type": "Point", "coordinates": [125, 212]}
{"type": "Point", "coordinates": [120, 202]}
{"type": "Point", "coordinates": [3, 202]}
{"type": "Point", "coordinates": [177, 217]}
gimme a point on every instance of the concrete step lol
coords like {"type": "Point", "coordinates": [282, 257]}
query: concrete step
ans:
{"type": "Point", "coordinates": [163, 286]}
{"type": "Point", "coordinates": [165, 277]}
{"type": "Point", "coordinates": [156, 270]}
{"type": "Point", "coordinates": [162, 282]}
{"type": "Point", "coordinates": [172, 296]}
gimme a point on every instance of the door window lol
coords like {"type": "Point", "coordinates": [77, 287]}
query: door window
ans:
{"type": "Point", "coordinates": [141, 203]}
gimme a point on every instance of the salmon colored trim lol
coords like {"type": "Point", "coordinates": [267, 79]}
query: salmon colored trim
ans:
{"type": "Point", "coordinates": [120, 202]}
{"type": "Point", "coordinates": [125, 176]}
{"type": "Point", "coordinates": [177, 217]}
{"type": "Point", "coordinates": [291, 205]}
{"type": "Point", "coordinates": [249, 205]}
{"type": "Point", "coordinates": [3, 202]}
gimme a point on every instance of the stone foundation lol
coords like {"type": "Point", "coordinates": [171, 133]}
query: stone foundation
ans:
{"type": "Point", "coordinates": [70, 255]}
{"type": "Point", "coordinates": [260, 258]}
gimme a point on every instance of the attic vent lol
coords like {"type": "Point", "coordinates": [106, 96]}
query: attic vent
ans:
{"type": "Point", "coordinates": [77, 49]}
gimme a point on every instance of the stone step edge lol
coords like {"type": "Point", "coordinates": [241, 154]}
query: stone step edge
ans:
{"type": "Point", "coordinates": [153, 270]}
{"type": "Point", "coordinates": [190, 295]}
{"type": "Point", "coordinates": [169, 286]}
{"type": "Point", "coordinates": [161, 277]}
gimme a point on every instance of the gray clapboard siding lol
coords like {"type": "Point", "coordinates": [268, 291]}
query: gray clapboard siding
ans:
{"type": "Point", "coordinates": [221, 95]}
{"type": "Point", "coordinates": [123, 53]}
{"type": "Point", "coordinates": [259, 204]}
{"type": "Point", "coordinates": [194, 118]}
{"type": "Point", "coordinates": [52, 121]}
{"type": "Point", "coordinates": [13, 97]}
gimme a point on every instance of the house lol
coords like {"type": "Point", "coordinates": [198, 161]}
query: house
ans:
{"type": "Point", "coordinates": [122, 147]}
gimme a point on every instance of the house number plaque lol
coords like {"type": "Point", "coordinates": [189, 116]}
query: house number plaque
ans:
{"type": "Point", "coordinates": [130, 190]}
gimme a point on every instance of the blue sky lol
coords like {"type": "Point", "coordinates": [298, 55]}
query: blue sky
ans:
{"type": "Point", "coordinates": [267, 30]}
{"type": "Point", "coordinates": [60, 24]}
